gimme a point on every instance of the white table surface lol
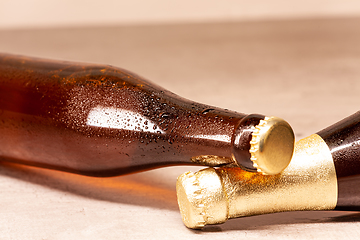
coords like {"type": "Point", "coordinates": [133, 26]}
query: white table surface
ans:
{"type": "Point", "coordinates": [305, 71]}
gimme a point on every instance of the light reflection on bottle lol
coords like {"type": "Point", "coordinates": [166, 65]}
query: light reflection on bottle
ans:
{"type": "Point", "coordinates": [218, 137]}
{"type": "Point", "coordinates": [116, 118]}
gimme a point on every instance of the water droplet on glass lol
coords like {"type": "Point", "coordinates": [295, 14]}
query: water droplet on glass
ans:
{"type": "Point", "coordinates": [207, 110]}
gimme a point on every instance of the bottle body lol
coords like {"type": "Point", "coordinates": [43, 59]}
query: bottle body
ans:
{"type": "Point", "coordinates": [343, 140]}
{"type": "Point", "coordinates": [103, 121]}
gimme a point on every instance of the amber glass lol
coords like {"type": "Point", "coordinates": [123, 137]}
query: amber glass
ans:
{"type": "Point", "coordinates": [104, 121]}
{"type": "Point", "coordinates": [343, 139]}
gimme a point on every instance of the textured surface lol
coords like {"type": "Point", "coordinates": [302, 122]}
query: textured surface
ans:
{"type": "Point", "coordinates": [306, 72]}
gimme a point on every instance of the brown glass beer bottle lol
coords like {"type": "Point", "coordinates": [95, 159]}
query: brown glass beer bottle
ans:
{"type": "Point", "coordinates": [100, 120]}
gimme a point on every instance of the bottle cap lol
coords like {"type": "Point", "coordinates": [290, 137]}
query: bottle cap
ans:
{"type": "Point", "coordinates": [272, 145]}
{"type": "Point", "coordinates": [201, 198]}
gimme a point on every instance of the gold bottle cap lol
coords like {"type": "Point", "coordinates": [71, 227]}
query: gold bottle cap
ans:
{"type": "Point", "coordinates": [272, 145]}
{"type": "Point", "coordinates": [201, 198]}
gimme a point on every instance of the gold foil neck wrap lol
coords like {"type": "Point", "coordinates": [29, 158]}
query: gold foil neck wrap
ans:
{"type": "Point", "coordinates": [212, 196]}
{"type": "Point", "coordinates": [308, 183]}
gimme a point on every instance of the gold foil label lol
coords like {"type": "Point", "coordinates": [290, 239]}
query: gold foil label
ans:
{"type": "Point", "coordinates": [308, 183]}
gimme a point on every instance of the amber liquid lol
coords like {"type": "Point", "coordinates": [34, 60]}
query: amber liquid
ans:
{"type": "Point", "coordinates": [104, 121]}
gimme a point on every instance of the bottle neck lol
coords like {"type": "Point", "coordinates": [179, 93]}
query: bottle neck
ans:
{"type": "Point", "coordinates": [212, 195]}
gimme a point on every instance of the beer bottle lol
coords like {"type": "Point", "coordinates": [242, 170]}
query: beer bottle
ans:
{"type": "Point", "coordinates": [324, 174]}
{"type": "Point", "coordinates": [100, 120]}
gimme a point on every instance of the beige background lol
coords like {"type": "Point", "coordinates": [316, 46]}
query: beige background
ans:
{"type": "Point", "coordinates": [44, 13]}
{"type": "Point", "coordinates": [305, 71]}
